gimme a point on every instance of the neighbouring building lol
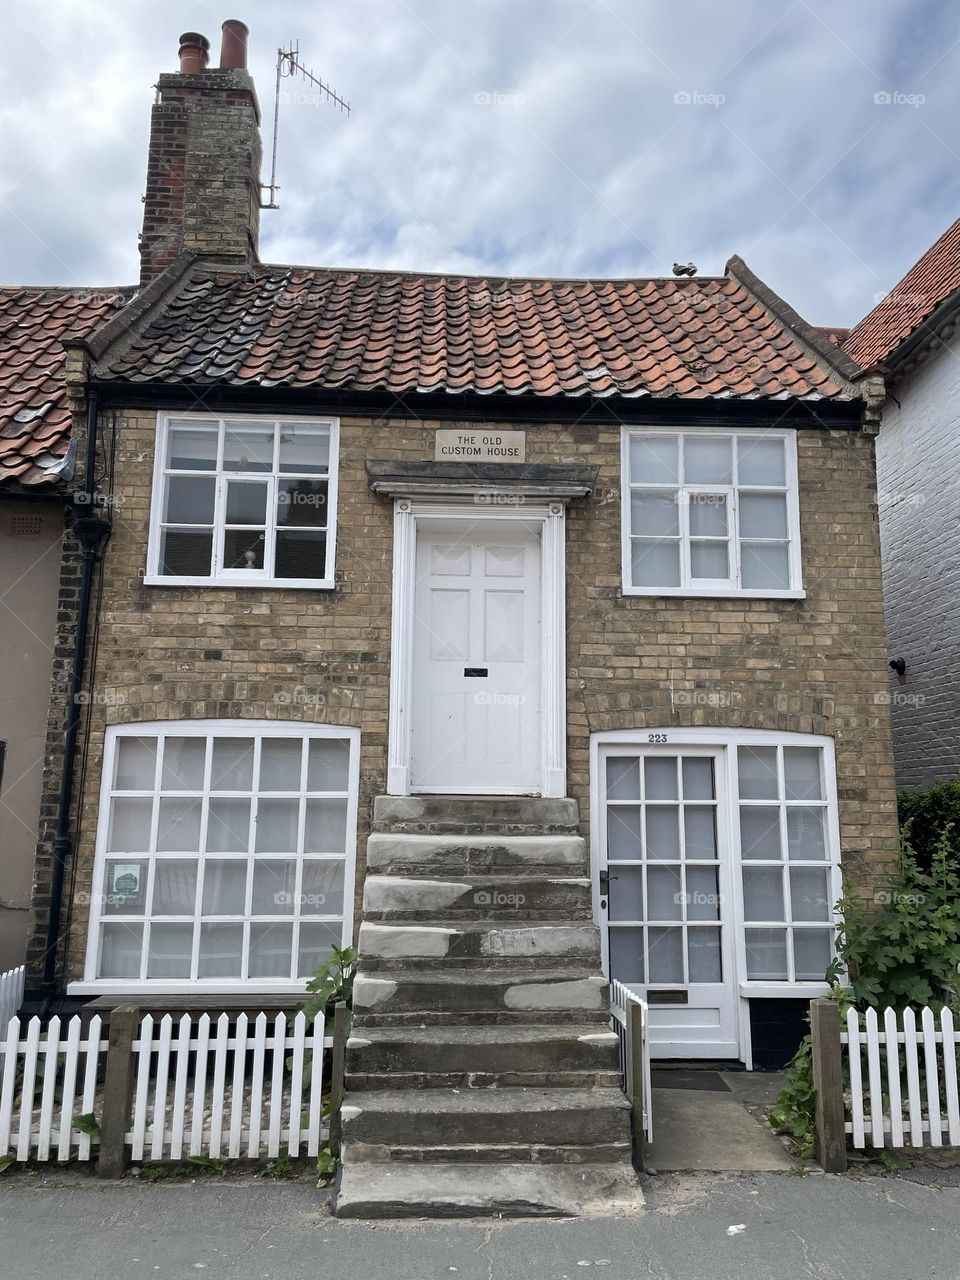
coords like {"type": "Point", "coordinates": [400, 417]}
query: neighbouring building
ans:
{"type": "Point", "coordinates": [911, 337]}
{"type": "Point", "coordinates": [526, 631]}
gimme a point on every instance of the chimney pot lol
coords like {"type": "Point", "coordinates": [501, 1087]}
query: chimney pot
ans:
{"type": "Point", "coordinates": [233, 47]}
{"type": "Point", "coordinates": [194, 53]}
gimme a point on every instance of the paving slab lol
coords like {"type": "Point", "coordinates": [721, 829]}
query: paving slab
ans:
{"type": "Point", "coordinates": [709, 1132]}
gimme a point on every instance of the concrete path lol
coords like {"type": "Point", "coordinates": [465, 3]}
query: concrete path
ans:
{"type": "Point", "coordinates": [761, 1227]}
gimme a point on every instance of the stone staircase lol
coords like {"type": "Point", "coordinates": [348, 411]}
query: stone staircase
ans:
{"type": "Point", "coordinates": [482, 1076]}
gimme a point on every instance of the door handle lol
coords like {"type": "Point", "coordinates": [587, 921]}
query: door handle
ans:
{"type": "Point", "coordinates": [476, 671]}
{"type": "Point", "coordinates": [604, 881]}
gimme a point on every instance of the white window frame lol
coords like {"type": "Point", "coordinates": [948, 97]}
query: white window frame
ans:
{"type": "Point", "coordinates": [240, 577]}
{"type": "Point", "coordinates": [705, 588]}
{"type": "Point", "coordinates": [258, 729]}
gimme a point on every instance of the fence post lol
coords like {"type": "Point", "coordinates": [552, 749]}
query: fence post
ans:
{"type": "Point", "coordinates": [117, 1091]}
{"type": "Point", "coordinates": [341, 1029]}
{"type": "Point", "coordinates": [828, 1086]}
{"type": "Point", "coordinates": [635, 1077]}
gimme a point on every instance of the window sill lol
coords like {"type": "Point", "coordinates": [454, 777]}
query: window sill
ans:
{"type": "Point", "coordinates": [715, 594]}
{"type": "Point", "coordinates": [270, 584]}
{"type": "Point", "coordinates": [208, 986]}
{"type": "Point", "coordinates": [783, 990]}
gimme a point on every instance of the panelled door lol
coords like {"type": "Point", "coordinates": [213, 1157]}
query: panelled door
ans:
{"type": "Point", "coordinates": [476, 658]}
{"type": "Point", "coordinates": [665, 894]}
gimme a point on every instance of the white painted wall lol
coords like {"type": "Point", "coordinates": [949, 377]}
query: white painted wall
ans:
{"type": "Point", "coordinates": [918, 475]}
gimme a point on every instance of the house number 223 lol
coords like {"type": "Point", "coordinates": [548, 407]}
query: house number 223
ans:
{"type": "Point", "coordinates": [656, 737]}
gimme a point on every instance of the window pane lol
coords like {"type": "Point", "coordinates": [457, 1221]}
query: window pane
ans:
{"type": "Point", "coordinates": [277, 822]}
{"type": "Point", "coordinates": [801, 773]}
{"type": "Point", "coordinates": [221, 951]}
{"type": "Point", "coordinates": [178, 828]}
{"type": "Point", "coordinates": [665, 954]}
{"type": "Point", "coordinates": [709, 560]}
{"type": "Point", "coordinates": [232, 764]}
{"type": "Point", "coordinates": [708, 515]}
{"type": "Point", "coordinates": [656, 563]}
{"type": "Point", "coordinates": [626, 955]}
{"type": "Point", "coordinates": [700, 834]}
{"type": "Point", "coordinates": [136, 763]}
{"type": "Point", "coordinates": [170, 951]}
{"type": "Point", "coordinates": [760, 460]}
{"type": "Point", "coordinates": [623, 778]}
{"type": "Point", "coordinates": [175, 887]}
{"type": "Point", "coordinates": [663, 833]}
{"type": "Point", "coordinates": [328, 764]}
{"type": "Point", "coordinates": [186, 553]}
{"type": "Point", "coordinates": [274, 887]}
{"type": "Point", "coordinates": [664, 894]}
{"type": "Point", "coordinates": [703, 894]}
{"type": "Point", "coordinates": [192, 448]}
{"type": "Point", "coordinates": [183, 762]}
{"type": "Point", "coordinates": [190, 500]}
{"type": "Point", "coordinates": [810, 893]}
{"type": "Point", "coordinates": [763, 893]}
{"type": "Point", "coordinates": [129, 826]}
{"type": "Point", "coordinates": [812, 953]}
{"type": "Point", "coordinates": [124, 889]}
{"type": "Point", "coordinates": [302, 504]}
{"type": "Point", "coordinates": [246, 503]}
{"type": "Point", "coordinates": [767, 954]}
{"type": "Point", "coordinates": [248, 448]}
{"type": "Point", "coordinates": [697, 779]}
{"type": "Point", "coordinates": [623, 833]}
{"type": "Point", "coordinates": [760, 832]}
{"type": "Point", "coordinates": [224, 887]}
{"type": "Point", "coordinates": [271, 949]}
{"type": "Point", "coordinates": [120, 949]}
{"type": "Point", "coordinates": [326, 827]}
{"type": "Point", "coordinates": [304, 449]}
{"type": "Point", "coordinates": [243, 549]}
{"type": "Point", "coordinates": [321, 892]}
{"type": "Point", "coordinates": [228, 826]}
{"type": "Point", "coordinates": [707, 460]}
{"type": "Point", "coordinates": [300, 554]}
{"type": "Point", "coordinates": [316, 946]}
{"type": "Point", "coordinates": [763, 515]}
{"type": "Point", "coordinates": [280, 760]}
{"type": "Point", "coordinates": [660, 777]}
{"type": "Point", "coordinates": [703, 955]}
{"type": "Point", "coordinates": [764, 564]}
{"type": "Point", "coordinates": [758, 773]}
{"type": "Point", "coordinates": [653, 459]}
{"type": "Point", "coordinates": [626, 894]}
{"type": "Point", "coordinates": [806, 836]}
{"type": "Point", "coordinates": [654, 512]}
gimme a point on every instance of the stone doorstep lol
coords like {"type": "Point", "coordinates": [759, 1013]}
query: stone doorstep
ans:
{"type": "Point", "coordinates": [366, 1081]}
{"type": "Point", "coordinates": [492, 1153]}
{"type": "Point", "coordinates": [386, 852]}
{"type": "Point", "coordinates": [490, 812]}
{"type": "Point", "coordinates": [488, 942]}
{"type": "Point", "coordinates": [482, 1049]}
{"type": "Point", "coordinates": [519, 991]}
{"type": "Point", "coordinates": [515, 897]}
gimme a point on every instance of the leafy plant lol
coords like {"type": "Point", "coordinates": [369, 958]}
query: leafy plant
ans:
{"type": "Point", "coordinates": [87, 1123]}
{"type": "Point", "coordinates": [793, 1112]}
{"type": "Point", "coordinates": [5, 1163]}
{"type": "Point", "coordinates": [925, 816]}
{"type": "Point", "coordinates": [332, 981]}
{"type": "Point", "coordinates": [211, 1164]}
{"type": "Point", "coordinates": [327, 1166]}
{"type": "Point", "coordinates": [280, 1167]}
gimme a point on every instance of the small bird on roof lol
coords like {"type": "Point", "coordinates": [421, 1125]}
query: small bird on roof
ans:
{"type": "Point", "coordinates": [679, 269]}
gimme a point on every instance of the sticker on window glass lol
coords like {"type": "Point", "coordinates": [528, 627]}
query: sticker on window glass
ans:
{"type": "Point", "coordinates": [125, 881]}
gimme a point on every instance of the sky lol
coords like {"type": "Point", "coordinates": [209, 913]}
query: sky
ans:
{"type": "Point", "coordinates": [819, 139]}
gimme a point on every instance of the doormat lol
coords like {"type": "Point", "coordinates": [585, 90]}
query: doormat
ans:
{"type": "Point", "coordinates": [708, 1081]}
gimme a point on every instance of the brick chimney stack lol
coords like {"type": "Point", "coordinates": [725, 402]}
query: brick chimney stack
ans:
{"type": "Point", "coordinates": [203, 165]}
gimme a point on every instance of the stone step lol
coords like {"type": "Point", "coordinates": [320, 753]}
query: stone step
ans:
{"type": "Point", "coordinates": [521, 897]}
{"type": "Point", "coordinates": [512, 815]}
{"type": "Point", "coordinates": [565, 992]}
{"type": "Point", "coordinates": [493, 1153]}
{"type": "Point", "coordinates": [462, 854]}
{"type": "Point", "coordinates": [500, 1051]}
{"type": "Point", "coordinates": [367, 1189]}
{"type": "Point", "coordinates": [404, 1119]}
{"type": "Point", "coordinates": [463, 943]}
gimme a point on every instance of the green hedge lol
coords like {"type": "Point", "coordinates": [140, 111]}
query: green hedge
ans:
{"type": "Point", "coordinates": [928, 813]}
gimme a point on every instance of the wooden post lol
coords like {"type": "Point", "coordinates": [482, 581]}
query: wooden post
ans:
{"type": "Point", "coordinates": [828, 1086]}
{"type": "Point", "coordinates": [341, 1029]}
{"type": "Point", "coordinates": [635, 1079]}
{"type": "Point", "coordinates": [117, 1091]}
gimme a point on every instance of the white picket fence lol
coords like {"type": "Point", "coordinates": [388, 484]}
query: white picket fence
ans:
{"type": "Point", "coordinates": [218, 1087]}
{"type": "Point", "coordinates": [620, 997]}
{"type": "Point", "coordinates": [11, 993]}
{"type": "Point", "coordinates": [898, 1102]}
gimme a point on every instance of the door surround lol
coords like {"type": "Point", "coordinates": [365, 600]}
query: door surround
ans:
{"type": "Point", "coordinates": [408, 515]}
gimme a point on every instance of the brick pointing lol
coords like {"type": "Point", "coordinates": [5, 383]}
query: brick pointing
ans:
{"type": "Point", "coordinates": [814, 666]}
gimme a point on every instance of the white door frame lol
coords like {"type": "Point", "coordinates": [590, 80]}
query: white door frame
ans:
{"type": "Point", "coordinates": [408, 514]}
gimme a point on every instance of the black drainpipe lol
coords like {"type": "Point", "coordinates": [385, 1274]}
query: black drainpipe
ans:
{"type": "Point", "coordinates": [91, 529]}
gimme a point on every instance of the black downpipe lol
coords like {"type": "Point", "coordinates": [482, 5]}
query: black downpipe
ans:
{"type": "Point", "coordinates": [91, 530]}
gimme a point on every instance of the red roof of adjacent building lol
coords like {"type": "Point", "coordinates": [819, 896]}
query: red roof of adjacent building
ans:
{"type": "Point", "coordinates": [34, 417]}
{"type": "Point", "coordinates": [910, 303]}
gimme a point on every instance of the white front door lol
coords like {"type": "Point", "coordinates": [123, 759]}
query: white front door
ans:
{"type": "Point", "coordinates": [666, 893]}
{"type": "Point", "coordinates": [476, 658]}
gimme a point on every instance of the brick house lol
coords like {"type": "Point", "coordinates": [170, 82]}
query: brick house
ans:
{"type": "Point", "coordinates": [524, 630]}
{"type": "Point", "coordinates": [910, 338]}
